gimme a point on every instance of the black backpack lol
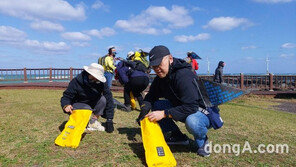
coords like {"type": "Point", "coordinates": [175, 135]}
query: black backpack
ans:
{"type": "Point", "coordinates": [141, 67]}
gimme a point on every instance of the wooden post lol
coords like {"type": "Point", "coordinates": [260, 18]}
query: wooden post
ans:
{"type": "Point", "coordinates": [25, 76]}
{"type": "Point", "coordinates": [241, 80]}
{"type": "Point", "coordinates": [270, 82]}
{"type": "Point", "coordinates": [71, 73]}
{"type": "Point", "coordinates": [50, 74]}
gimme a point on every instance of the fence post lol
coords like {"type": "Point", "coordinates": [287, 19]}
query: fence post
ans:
{"type": "Point", "coordinates": [270, 82]}
{"type": "Point", "coordinates": [25, 76]}
{"type": "Point", "coordinates": [71, 73]}
{"type": "Point", "coordinates": [50, 74]}
{"type": "Point", "coordinates": [241, 80]}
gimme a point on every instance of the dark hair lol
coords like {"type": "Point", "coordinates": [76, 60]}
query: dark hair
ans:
{"type": "Point", "coordinates": [189, 54]}
{"type": "Point", "coordinates": [110, 50]}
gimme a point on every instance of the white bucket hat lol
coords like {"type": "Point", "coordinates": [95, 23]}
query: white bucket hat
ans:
{"type": "Point", "coordinates": [96, 70]}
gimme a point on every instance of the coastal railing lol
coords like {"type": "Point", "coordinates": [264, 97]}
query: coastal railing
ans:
{"type": "Point", "coordinates": [253, 82]}
{"type": "Point", "coordinates": [41, 74]}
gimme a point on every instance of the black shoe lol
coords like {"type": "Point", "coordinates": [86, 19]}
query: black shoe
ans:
{"type": "Point", "coordinates": [109, 126]}
{"type": "Point", "coordinates": [126, 108]}
{"type": "Point", "coordinates": [177, 139]}
{"type": "Point", "coordinates": [204, 149]}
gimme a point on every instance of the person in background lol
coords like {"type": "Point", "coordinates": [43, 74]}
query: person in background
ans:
{"type": "Point", "coordinates": [89, 90]}
{"type": "Point", "coordinates": [218, 78]}
{"type": "Point", "coordinates": [109, 65]}
{"type": "Point", "coordinates": [193, 62]}
{"type": "Point", "coordinates": [133, 76]}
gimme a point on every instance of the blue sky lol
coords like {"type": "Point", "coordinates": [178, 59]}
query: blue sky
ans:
{"type": "Point", "coordinates": [73, 33]}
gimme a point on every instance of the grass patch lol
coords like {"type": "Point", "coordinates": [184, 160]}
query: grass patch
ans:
{"type": "Point", "coordinates": [30, 120]}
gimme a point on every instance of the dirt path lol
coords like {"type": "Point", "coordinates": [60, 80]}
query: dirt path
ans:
{"type": "Point", "coordinates": [286, 106]}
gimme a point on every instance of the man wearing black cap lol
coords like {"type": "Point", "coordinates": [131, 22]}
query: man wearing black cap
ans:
{"type": "Point", "coordinates": [176, 83]}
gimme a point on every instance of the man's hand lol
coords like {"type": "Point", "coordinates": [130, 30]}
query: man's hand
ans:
{"type": "Point", "coordinates": [155, 115]}
{"type": "Point", "coordinates": [68, 108]}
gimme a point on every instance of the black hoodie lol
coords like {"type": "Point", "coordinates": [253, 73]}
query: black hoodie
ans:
{"type": "Point", "coordinates": [219, 73]}
{"type": "Point", "coordinates": [81, 90]}
{"type": "Point", "coordinates": [179, 88]}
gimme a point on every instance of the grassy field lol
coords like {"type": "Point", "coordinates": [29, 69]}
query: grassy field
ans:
{"type": "Point", "coordinates": [30, 121]}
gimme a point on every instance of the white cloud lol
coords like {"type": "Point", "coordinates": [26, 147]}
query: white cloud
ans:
{"type": "Point", "coordinates": [273, 1]}
{"type": "Point", "coordinates": [248, 47]}
{"type": "Point", "coordinates": [11, 35]}
{"type": "Point", "coordinates": [100, 5]}
{"type": "Point", "coordinates": [17, 38]}
{"type": "Point", "coordinates": [46, 46]}
{"type": "Point", "coordinates": [80, 44]}
{"type": "Point", "coordinates": [191, 38]}
{"type": "Point", "coordinates": [42, 9]}
{"type": "Point", "coordinates": [157, 20]}
{"type": "Point", "coordinates": [288, 45]}
{"type": "Point", "coordinates": [286, 55]}
{"type": "Point", "coordinates": [46, 26]}
{"type": "Point", "coordinates": [75, 36]}
{"type": "Point", "coordinates": [104, 32]}
{"type": "Point", "coordinates": [196, 8]}
{"type": "Point", "coordinates": [227, 23]}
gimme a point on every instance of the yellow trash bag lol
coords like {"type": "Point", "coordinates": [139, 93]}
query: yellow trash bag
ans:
{"type": "Point", "coordinates": [133, 101]}
{"type": "Point", "coordinates": [71, 135]}
{"type": "Point", "coordinates": [157, 152]}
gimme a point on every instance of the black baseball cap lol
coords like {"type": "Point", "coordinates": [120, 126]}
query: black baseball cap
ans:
{"type": "Point", "coordinates": [157, 53]}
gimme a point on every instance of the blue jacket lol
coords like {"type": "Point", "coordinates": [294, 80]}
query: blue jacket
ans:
{"type": "Point", "coordinates": [126, 70]}
{"type": "Point", "coordinates": [179, 88]}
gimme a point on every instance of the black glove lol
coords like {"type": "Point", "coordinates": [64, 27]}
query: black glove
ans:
{"type": "Point", "coordinates": [109, 126]}
{"type": "Point", "coordinates": [145, 108]}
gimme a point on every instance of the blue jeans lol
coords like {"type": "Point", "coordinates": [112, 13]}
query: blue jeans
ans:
{"type": "Point", "coordinates": [197, 124]}
{"type": "Point", "coordinates": [109, 77]}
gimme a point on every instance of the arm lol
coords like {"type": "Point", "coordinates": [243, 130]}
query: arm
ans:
{"type": "Point", "coordinates": [149, 99]}
{"type": "Point", "coordinates": [122, 73]}
{"type": "Point", "coordinates": [68, 97]}
{"type": "Point", "coordinates": [220, 75]}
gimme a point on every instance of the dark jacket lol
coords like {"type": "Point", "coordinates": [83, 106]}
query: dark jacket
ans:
{"type": "Point", "coordinates": [219, 73]}
{"type": "Point", "coordinates": [179, 88]}
{"type": "Point", "coordinates": [81, 90]}
{"type": "Point", "coordinates": [126, 70]}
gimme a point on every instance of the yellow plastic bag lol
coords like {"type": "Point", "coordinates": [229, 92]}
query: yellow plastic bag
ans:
{"type": "Point", "coordinates": [133, 101]}
{"type": "Point", "coordinates": [157, 152]}
{"type": "Point", "coordinates": [71, 135]}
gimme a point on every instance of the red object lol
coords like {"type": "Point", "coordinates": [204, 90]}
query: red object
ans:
{"type": "Point", "coordinates": [116, 77]}
{"type": "Point", "coordinates": [194, 64]}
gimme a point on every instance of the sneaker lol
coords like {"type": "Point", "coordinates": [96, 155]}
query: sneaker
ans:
{"type": "Point", "coordinates": [181, 139]}
{"type": "Point", "coordinates": [204, 149]}
{"type": "Point", "coordinates": [95, 126]}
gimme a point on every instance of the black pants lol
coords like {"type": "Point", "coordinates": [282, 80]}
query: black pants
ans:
{"type": "Point", "coordinates": [135, 85]}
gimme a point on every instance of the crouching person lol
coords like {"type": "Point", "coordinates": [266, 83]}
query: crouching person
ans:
{"type": "Point", "coordinates": [89, 90]}
{"type": "Point", "coordinates": [175, 82]}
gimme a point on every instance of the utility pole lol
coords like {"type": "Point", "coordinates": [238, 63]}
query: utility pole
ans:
{"type": "Point", "coordinates": [267, 65]}
{"type": "Point", "coordinates": [208, 66]}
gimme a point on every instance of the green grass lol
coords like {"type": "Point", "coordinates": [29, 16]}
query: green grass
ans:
{"type": "Point", "coordinates": [30, 120]}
